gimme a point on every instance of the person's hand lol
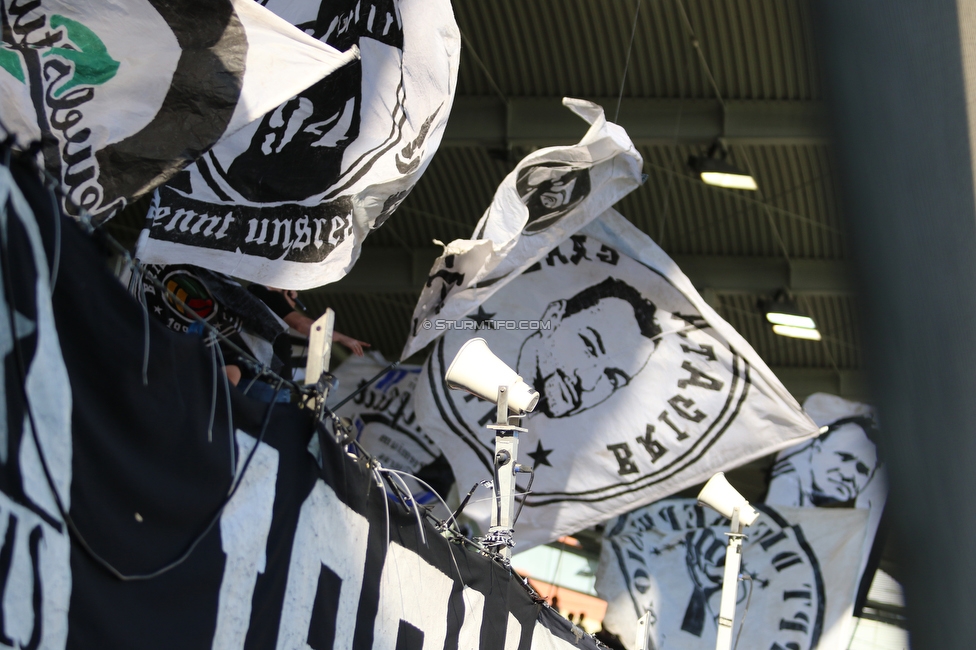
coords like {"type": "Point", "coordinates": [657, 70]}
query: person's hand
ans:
{"type": "Point", "coordinates": [292, 297]}
{"type": "Point", "coordinates": [233, 374]}
{"type": "Point", "coordinates": [356, 347]}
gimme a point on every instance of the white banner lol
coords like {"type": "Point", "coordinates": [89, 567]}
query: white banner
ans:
{"type": "Point", "coordinates": [130, 92]}
{"type": "Point", "coordinates": [644, 389]}
{"type": "Point", "coordinates": [550, 194]}
{"type": "Point", "coordinates": [798, 568]}
{"type": "Point", "coordinates": [288, 201]}
{"type": "Point", "coordinates": [384, 422]}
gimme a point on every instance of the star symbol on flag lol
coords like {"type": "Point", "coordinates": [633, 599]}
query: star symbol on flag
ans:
{"type": "Point", "coordinates": [541, 455]}
{"type": "Point", "coordinates": [481, 317]}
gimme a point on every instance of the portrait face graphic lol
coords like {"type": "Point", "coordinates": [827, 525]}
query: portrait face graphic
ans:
{"type": "Point", "coordinates": [590, 350]}
{"type": "Point", "coordinates": [841, 465]}
{"type": "Point", "coordinates": [550, 190]}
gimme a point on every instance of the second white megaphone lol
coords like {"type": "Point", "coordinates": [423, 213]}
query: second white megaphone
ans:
{"type": "Point", "coordinates": [719, 495]}
{"type": "Point", "coordinates": [477, 370]}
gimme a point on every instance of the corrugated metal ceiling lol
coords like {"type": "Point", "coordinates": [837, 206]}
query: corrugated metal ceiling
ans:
{"type": "Point", "coordinates": [756, 49]}
{"type": "Point", "coordinates": [835, 317]}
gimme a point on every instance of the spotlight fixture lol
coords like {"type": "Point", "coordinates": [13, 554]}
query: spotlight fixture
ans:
{"type": "Point", "coordinates": [714, 169]}
{"type": "Point", "coordinates": [810, 334]}
{"type": "Point", "coordinates": [789, 320]}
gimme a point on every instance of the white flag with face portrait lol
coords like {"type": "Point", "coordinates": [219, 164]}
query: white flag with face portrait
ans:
{"type": "Point", "coordinates": [550, 194]}
{"type": "Point", "coordinates": [644, 389]}
{"type": "Point", "coordinates": [798, 570]}
{"type": "Point", "coordinates": [289, 199]}
{"type": "Point", "coordinates": [839, 468]}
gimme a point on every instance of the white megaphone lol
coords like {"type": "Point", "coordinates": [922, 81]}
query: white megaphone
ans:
{"type": "Point", "coordinates": [719, 495]}
{"type": "Point", "coordinates": [477, 370]}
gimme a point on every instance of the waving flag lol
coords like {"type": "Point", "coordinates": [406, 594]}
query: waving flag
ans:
{"type": "Point", "coordinates": [125, 94]}
{"type": "Point", "coordinates": [644, 389]}
{"type": "Point", "coordinates": [291, 197]}
{"type": "Point", "coordinates": [839, 468]}
{"type": "Point", "coordinates": [550, 194]}
{"type": "Point", "coordinates": [798, 567]}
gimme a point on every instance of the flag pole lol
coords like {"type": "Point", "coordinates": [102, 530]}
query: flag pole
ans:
{"type": "Point", "coordinates": [730, 584]}
{"type": "Point", "coordinates": [502, 530]}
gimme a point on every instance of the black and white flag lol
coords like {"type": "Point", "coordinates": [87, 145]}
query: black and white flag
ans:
{"type": "Point", "coordinates": [35, 413]}
{"type": "Point", "coordinates": [551, 193]}
{"type": "Point", "coordinates": [798, 567]}
{"type": "Point", "coordinates": [839, 468]}
{"type": "Point", "coordinates": [644, 389]}
{"type": "Point", "coordinates": [288, 200]}
{"type": "Point", "coordinates": [125, 94]}
{"type": "Point", "coordinates": [163, 513]}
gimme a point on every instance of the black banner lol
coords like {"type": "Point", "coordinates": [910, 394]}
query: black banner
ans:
{"type": "Point", "coordinates": [189, 516]}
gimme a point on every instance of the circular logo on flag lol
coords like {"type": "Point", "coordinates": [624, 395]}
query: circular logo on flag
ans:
{"type": "Point", "coordinates": [180, 283]}
{"type": "Point", "coordinates": [192, 295]}
{"type": "Point", "coordinates": [549, 190]}
{"type": "Point", "coordinates": [672, 554]}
